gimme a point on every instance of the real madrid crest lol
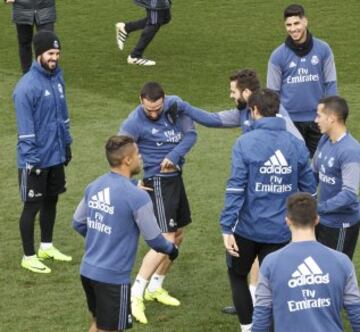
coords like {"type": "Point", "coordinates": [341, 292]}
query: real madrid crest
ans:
{"type": "Point", "coordinates": [314, 60]}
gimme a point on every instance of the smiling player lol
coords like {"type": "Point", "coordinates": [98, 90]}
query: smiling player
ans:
{"type": "Point", "coordinates": [164, 136]}
{"type": "Point", "coordinates": [302, 70]}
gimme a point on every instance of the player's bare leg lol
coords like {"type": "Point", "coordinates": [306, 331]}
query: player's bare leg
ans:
{"type": "Point", "coordinates": [253, 279]}
{"type": "Point", "coordinates": [155, 290]}
{"type": "Point", "coordinates": [93, 327]}
{"type": "Point", "coordinates": [164, 267]}
{"type": "Point", "coordinates": [150, 263]}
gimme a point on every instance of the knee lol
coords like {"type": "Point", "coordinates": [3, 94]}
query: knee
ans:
{"type": "Point", "coordinates": [153, 28]}
{"type": "Point", "coordinates": [179, 237]}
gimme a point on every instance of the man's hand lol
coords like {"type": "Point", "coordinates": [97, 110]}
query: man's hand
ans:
{"type": "Point", "coordinates": [174, 253]}
{"type": "Point", "coordinates": [9, 1]}
{"type": "Point", "coordinates": [167, 166]}
{"type": "Point", "coordinates": [230, 245]}
{"type": "Point", "coordinates": [141, 185]}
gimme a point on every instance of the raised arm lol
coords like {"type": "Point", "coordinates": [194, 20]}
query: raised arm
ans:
{"type": "Point", "coordinates": [223, 119]}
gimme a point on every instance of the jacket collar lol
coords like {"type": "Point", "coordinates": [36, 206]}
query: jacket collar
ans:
{"type": "Point", "coordinates": [270, 123]}
{"type": "Point", "coordinates": [37, 67]}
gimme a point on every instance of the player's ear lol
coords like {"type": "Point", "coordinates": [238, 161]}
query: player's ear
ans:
{"type": "Point", "coordinates": [246, 93]}
{"type": "Point", "coordinates": [317, 220]}
{"type": "Point", "coordinates": [127, 160]}
{"type": "Point", "coordinates": [306, 22]}
{"type": "Point", "coordinates": [288, 221]}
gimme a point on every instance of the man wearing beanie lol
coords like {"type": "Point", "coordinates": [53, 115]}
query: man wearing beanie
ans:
{"type": "Point", "coordinates": [43, 149]}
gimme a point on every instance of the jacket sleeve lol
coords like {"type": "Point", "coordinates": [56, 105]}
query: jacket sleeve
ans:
{"type": "Point", "coordinates": [130, 128]}
{"type": "Point", "coordinates": [330, 74]}
{"type": "Point", "coordinates": [352, 300]}
{"type": "Point", "coordinates": [314, 166]}
{"type": "Point", "coordinates": [27, 145]}
{"type": "Point", "coordinates": [187, 142]}
{"type": "Point", "coordinates": [350, 175]}
{"type": "Point", "coordinates": [262, 316]}
{"type": "Point", "coordinates": [66, 119]}
{"type": "Point", "coordinates": [274, 74]}
{"type": "Point", "coordinates": [228, 119]}
{"type": "Point", "coordinates": [149, 229]}
{"type": "Point", "coordinates": [306, 179]}
{"type": "Point", "coordinates": [235, 190]}
{"type": "Point", "coordinates": [79, 222]}
{"type": "Point", "coordinates": [290, 126]}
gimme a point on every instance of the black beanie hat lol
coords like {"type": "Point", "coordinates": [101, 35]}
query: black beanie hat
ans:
{"type": "Point", "coordinates": [44, 41]}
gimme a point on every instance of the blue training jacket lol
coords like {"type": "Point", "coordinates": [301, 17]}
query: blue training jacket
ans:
{"type": "Point", "coordinates": [336, 166]}
{"type": "Point", "coordinates": [42, 118]}
{"type": "Point", "coordinates": [303, 287]}
{"type": "Point", "coordinates": [110, 216]}
{"type": "Point", "coordinates": [171, 136]}
{"type": "Point", "coordinates": [302, 81]}
{"type": "Point", "coordinates": [268, 165]}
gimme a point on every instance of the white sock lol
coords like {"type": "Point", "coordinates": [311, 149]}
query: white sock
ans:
{"type": "Point", "coordinates": [138, 286]}
{"type": "Point", "coordinates": [29, 257]}
{"type": "Point", "coordinates": [45, 245]}
{"type": "Point", "coordinates": [252, 289]}
{"type": "Point", "coordinates": [155, 282]}
{"type": "Point", "coordinates": [246, 328]}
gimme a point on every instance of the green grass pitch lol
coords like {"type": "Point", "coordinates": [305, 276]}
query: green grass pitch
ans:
{"type": "Point", "coordinates": [195, 54]}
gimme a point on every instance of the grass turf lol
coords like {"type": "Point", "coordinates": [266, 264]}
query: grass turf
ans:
{"type": "Point", "coordinates": [204, 43]}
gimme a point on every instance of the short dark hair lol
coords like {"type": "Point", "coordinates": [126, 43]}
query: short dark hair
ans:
{"type": "Point", "coordinates": [152, 91]}
{"type": "Point", "coordinates": [117, 148]}
{"type": "Point", "coordinates": [336, 105]}
{"type": "Point", "coordinates": [302, 210]}
{"type": "Point", "coordinates": [294, 10]}
{"type": "Point", "coordinates": [246, 79]}
{"type": "Point", "coordinates": [266, 101]}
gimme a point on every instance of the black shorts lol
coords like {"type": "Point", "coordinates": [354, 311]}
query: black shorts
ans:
{"type": "Point", "coordinates": [109, 304]}
{"type": "Point", "coordinates": [158, 17]}
{"type": "Point", "coordinates": [249, 250]}
{"type": "Point", "coordinates": [50, 182]}
{"type": "Point", "coordinates": [311, 133]}
{"type": "Point", "coordinates": [340, 239]}
{"type": "Point", "coordinates": [171, 205]}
